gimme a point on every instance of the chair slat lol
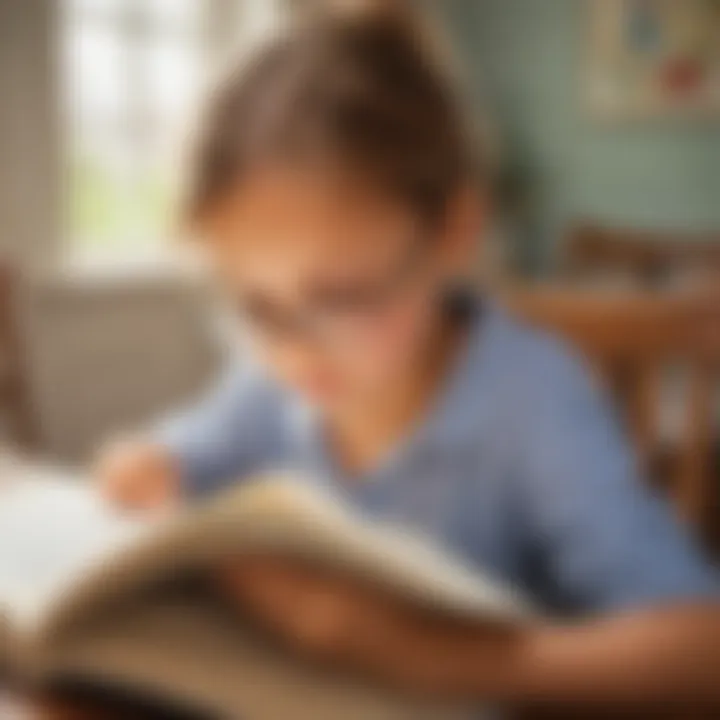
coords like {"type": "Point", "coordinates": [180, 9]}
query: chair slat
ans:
{"type": "Point", "coordinates": [634, 337]}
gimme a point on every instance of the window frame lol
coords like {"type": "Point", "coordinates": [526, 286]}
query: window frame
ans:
{"type": "Point", "coordinates": [221, 26]}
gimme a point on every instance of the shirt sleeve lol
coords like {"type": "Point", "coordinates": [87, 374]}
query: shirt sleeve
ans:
{"type": "Point", "coordinates": [224, 435]}
{"type": "Point", "coordinates": [607, 540]}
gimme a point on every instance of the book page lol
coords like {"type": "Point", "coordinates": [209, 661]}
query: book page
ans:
{"type": "Point", "coordinates": [52, 527]}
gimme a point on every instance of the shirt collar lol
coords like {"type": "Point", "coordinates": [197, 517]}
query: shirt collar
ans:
{"type": "Point", "coordinates": [462, 406]}
{"type": "Point", "coordinates": [460, 409]}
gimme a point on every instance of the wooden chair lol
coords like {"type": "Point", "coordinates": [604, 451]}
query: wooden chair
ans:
{"type": "Point", "coordinates": [645, 258]}
{"type": "Point", "coordinates": [633, 339]}
{"type": "Point", "coordinates": [17, 418]}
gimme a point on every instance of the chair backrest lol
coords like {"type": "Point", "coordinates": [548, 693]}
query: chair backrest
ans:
{"type": "Point", "coordinates": [636, 341]}
{"type": "Point", "coordinates": [643, 257]}
{"type": "Point", "coordinates": [17, 419]}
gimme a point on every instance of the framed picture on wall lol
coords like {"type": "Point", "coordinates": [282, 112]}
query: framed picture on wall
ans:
{"type": "Point", "coordinates": [654, 59]}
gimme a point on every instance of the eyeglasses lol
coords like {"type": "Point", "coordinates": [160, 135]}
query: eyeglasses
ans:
{"type": "Point", "coordinates": [339, 316]}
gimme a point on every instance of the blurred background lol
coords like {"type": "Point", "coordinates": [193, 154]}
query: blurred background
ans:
{"type": "Point", "coordinates": [606, 114]}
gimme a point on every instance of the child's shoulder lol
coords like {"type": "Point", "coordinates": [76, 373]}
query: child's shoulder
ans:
{"type": "Point", "coordinates": [525, 376]}
{"type": "Point", "coordinates": [528, 356]}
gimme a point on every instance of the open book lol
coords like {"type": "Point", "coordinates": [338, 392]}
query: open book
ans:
{"type": "Point", "coordinates": [135, 612]}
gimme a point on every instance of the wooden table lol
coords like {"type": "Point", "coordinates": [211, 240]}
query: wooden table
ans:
{"type": "Point", "coordinates": [20, 706]}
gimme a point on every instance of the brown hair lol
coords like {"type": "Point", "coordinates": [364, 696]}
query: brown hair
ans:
{"type": "Point", "coordinates": [361, 91]}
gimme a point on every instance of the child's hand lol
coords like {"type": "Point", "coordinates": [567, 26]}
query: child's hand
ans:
{"type": "Point", "coordinates": [314, 612]}
{"type": "Point", "coordinates": [340, 621]}
{"type": "Point", "coordinates": [137, 476]}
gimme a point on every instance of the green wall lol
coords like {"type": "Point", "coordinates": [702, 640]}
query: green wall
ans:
{"type": "Point", "coordinates": [525, 59]}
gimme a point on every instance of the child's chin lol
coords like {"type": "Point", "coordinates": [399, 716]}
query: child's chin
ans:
{"type": "Point", "coordinates": [324, 394]}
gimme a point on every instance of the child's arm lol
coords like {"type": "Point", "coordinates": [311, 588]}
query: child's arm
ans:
{"type": "Point", "coordinates": [195, 452]}
{"type": "Point", "coordinates": [650, 657]}
{"type": "Point", "coordinates": [138, 475]}
{"type": "Point", "coordinates": [638, 659]}
{"type": "Point", "coordinates": [644, 659]}
{"type": "Point", "coordinates": [613, 553]}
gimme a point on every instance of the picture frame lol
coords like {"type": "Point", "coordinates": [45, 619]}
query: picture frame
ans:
{"type": "Point", "coordinates": [654, 59]}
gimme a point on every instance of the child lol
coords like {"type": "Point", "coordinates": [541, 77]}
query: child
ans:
{"type": "Point", "coordinates": [338, 195]}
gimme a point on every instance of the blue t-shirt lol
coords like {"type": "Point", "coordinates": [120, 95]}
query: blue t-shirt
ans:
{"type": "Point", "coordinates": [520, 467]}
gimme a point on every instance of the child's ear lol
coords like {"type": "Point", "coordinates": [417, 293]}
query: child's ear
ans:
{"type": "Point", "coordinates": [464, 227]}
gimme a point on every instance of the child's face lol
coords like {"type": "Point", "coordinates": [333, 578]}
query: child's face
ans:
{"type": "Point", "coordinates": [338, 290]}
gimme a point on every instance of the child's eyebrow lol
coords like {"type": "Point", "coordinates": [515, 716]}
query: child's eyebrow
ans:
{"type": "Point", "coordinates": [346, 288]}
{"type": "Point", "coordinates": [359, 290]}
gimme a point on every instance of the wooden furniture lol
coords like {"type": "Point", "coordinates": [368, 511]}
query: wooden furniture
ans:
{"type": "Point", "coordinates": [23, 706]}
{"type": "Point", "coordinates": [633, 339]}
{"type": "Point", "coordinates": [642, 257]}
{"type": "Point", "coordinates": [17, 419]}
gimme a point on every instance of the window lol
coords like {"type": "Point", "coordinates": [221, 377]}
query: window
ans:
{"type": "Point", "coordinates": [131, 71]}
